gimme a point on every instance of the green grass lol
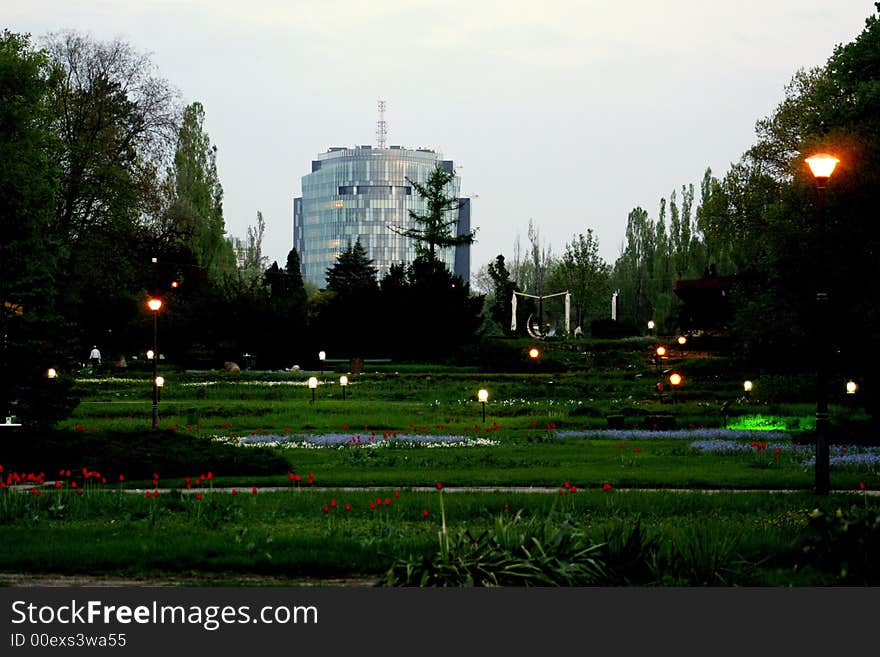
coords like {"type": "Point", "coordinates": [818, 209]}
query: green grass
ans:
{"type": "Point", "coordinates": [646, 536]}
{"type": "Point", "coordinates": [697, 538]}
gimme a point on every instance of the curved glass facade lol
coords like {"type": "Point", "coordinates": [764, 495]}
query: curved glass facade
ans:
{"type": "Point", "coordinates": [357, 194]}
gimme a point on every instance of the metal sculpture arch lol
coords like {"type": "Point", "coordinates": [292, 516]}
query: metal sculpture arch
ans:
{"type": "Point", "coordinates": [537, 331]}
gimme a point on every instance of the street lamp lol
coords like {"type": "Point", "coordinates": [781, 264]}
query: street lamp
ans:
{"type": "Point", "coordinates": [682, 341]}
{"type": "Point", "coordinates": [747, 388]}
{"type": "Point", "coordinates": [650, 324]}
{"type": "Point", "coordinates": [482, 396]}
{"type": "Point", "coordinates": [322, 356]}
{"type": "Point", "coordinates": [534, 354]}
{"type": "Point", "coordinates": [313, 383]}
{"type": "Point", "coordinates": [52, 373]}
{"type": "Point", "coordinates": [852, 387]}
{"type": "Point", "coordinates": [155, 305]}
{"type": "Point", "coordinates": [822, 166]}
{"type": "Point", "coordinates": [343, 382]}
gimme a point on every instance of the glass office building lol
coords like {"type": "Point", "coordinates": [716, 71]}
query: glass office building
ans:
{"type": "Point", "coordinates": [358, 194]}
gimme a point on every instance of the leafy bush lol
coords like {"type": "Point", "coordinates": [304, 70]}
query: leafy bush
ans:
{"type": "Point", "coordinates": [513, 552]}
{"type": "Point", "coordinates": [845, 544]}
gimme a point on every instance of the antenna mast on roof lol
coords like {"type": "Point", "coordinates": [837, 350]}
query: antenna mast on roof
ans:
{"type": "Point", "coordinates": [381, 126]}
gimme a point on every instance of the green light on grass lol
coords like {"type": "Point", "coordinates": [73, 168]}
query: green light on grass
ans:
{"type": "Point", "coordinates": [772, 423]}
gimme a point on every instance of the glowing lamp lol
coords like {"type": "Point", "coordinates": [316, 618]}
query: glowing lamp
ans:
{"type": "Point", "coordinates": [160, 381]}
{"type": "Point", "coordinates": [482, 396]}
{"type": "Point", "coordinates": [852, 387]}
{"type": "Point", "coordinates": [651, 325]}
{"type": "Point", "coordinates": [747, 386]}
{"type": "Point", "coordinates": [52, 373]}
{"type": "Point", "coordinates": [661, 351]}
{"type": "Point", "coordinates": [343, 380]}
{"type": "Point", "coordinates": [822, 165]}
{"type": "Point", "coordinates": [313, 382]}
{"type": "Point", "coordinates": [682, 341]}
{"type": "Point", "coordinates": [675, 379]}
{"type": "Point", "coordinates": [154, 304]}
{"type": "Point", "coordinates": [534, 353]}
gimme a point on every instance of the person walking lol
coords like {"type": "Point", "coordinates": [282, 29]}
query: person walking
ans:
{"type": "Point", "coordinates": [95, 357]}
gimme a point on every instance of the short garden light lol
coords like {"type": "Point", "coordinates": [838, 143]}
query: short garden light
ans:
{"type": "Point", "coordinates": [322, 356]}
{"type": "Point", "coordinates": [852, 387]}
{"type": "Point", "coordinates": [313, 383]}
{"type": "Point", "coordinates": [675, 380]}
{"type": "Point", "coordinates": [343, 382]}
{"type": "Point", "coordinates": [650, 324]}
{"type": "Point", "coordinates": [747, 388]}
{"type": "Point", "coordinates": [534, 354]}
{"type": "Point", "coordinates": [482, 397]}
{"type": "Point", "coordinates": [52, 373]}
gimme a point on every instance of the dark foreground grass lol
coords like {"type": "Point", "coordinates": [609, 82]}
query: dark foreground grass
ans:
{"type": "Point", "coordinates": [687, 538]}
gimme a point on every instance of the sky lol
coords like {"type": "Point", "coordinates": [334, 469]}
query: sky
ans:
{"type": "Point", "coordinates": [568, 113]}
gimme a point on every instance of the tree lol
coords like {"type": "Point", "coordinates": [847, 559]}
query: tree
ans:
{"type": "Point", "coordinates": [115, 121]}
{"type": "Point", "coordinates": [249, 254]}
{"type": "Point", "coordinates": [32, 329]}
{"type": "Point", "coordinates": [195, 198]}
{"type": "Point", "coordinates": [502, 290]}
{"type": "Point", "coordinates": [437, 228]}
{"type": "Point", "coordinates": [583, 272]}
{"type": "Point", "coordinates": [352, 274]}
{"type": "Point", "coordinates": [764, 209]}
{"type": "Point", "coordinates": [340, 322]}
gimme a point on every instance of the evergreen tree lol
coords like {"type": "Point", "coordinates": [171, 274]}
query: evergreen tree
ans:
{"type": "Point", "coordinates": [437, 228]}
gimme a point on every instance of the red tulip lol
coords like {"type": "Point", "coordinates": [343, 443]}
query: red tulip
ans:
{"type": "Point", "coordinates": [254, 490]}
{"type": "Point", "coordinates": [439, 486]}
{"type": "Point", "coordinates": [607, 486]}
{"type": "Point", "coordinates": [425, 513]}
{"type": "Point", "coordinates": [198, 496]}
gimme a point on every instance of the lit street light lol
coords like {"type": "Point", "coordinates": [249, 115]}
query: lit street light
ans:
{"type": "Point", "coordinates": [534, 354]}
{"type": "Point", "coordinates": [482, 397]}
{"type": "Point", "coordinates": [52, 373]}
{"type": "Point", "coordinates": [322, 356]}
{"type": "Point", "coordinates": [155, 305]}
{"type": "Point", "coordinates": [852, 387]}
{"type": "Point", "coordinates": [343, 382]}
{"type": "Point", "coordinates": [822, 166]}
{"type": "Point", "coordinates": [747, 388]}
{"type": "Point", "coordinates": [313, 383]}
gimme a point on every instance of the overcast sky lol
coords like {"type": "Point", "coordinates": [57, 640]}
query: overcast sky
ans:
{"type": "Point", "coordinates": [567, 112]}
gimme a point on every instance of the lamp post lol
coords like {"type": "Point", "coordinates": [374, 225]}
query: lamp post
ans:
{"type": "Point", "coordinates": [822, 166]}
{"type": "Point", "coordinates": [322, 356]}
{"type": "Point", "coordinates": [747, 388]}
{"type": "Point", "coordinates": [343, 383]}
{"type": "Point", "coordinates": [313, 383]}
{"type": "Point", "coordinates": [155, 305]}
{"type": "Point", "coordinates": [482, 396]}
